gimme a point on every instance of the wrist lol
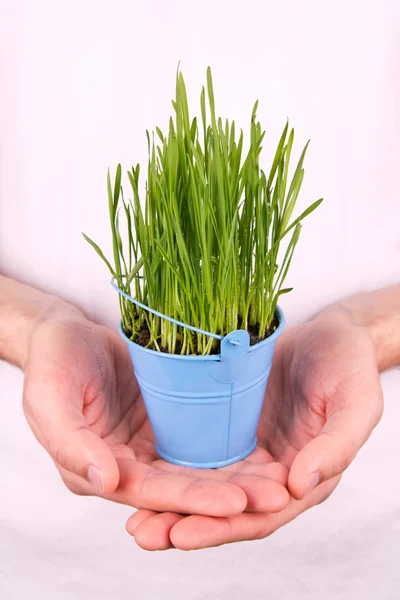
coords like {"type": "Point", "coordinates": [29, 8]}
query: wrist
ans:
{"type": "Point", "coordinates": [378, 313]}
{"type": "Point", "coordinates": [22, 310]}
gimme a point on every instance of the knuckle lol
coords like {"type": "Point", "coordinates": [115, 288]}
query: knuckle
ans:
{"type": "Point", "coordinates": [73, 483]}
{"type": "Point", "coordinates": [378, 410]}
{"type": "Point", "coordinates": [263, 531]}
{"type": "Point", "coordinates": [26, 402]}
{"type": "Point", "coordinates": [341, 455]}
{"type": "Point", "coordinates": [327, 488]}
{"type": "Point", "coordinates": [74, 487]}
{"type": "Point", "coordinates": [60, 455]}
{"type": "Point", "coordinates": [342, 461]}
{"type": "Point", "coordinates": [261, 534]}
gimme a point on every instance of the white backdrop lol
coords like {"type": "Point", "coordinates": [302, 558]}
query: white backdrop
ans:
{"type": "Point", "coordinates": [79, 84]}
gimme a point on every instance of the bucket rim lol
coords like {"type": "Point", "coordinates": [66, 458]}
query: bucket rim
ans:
{"type": "Point", "coordinates": [213, 357]}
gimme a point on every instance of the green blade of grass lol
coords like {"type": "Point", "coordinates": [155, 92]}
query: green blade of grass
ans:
{"type": "Point", "coordinates": [100, 253]}
{"type": "Point", "coordinates": [208, 244]}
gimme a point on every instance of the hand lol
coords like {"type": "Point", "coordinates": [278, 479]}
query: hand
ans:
{"type": "Point", "coordinates": [83, 404]}
{"type": "Point", "coordinates": [323, 401]}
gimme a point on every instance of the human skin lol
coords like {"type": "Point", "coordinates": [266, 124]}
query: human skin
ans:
{"type": "Point", "coordinates": [83, 404]}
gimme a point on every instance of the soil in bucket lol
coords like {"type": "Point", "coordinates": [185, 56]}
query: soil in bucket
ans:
{"type": "Point", "coordinates": [143, 336]}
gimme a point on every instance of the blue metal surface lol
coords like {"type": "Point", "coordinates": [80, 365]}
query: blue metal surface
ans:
{"type": "Point", "coordinates": [204, 410]}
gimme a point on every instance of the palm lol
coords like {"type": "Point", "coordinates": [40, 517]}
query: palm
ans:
{"type": "Point", "coordinates": [300, 390]}
{"type": "Point", "coordinates": [317, 370]}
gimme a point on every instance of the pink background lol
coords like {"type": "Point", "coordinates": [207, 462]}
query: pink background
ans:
{"type": "Point", "coordinates": [79, 84]}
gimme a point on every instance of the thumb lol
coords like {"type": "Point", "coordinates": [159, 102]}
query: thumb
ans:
{"type": "Point", "coordinates": [54, 412]}
{"type": "Point", "coordinates": [356, 409]}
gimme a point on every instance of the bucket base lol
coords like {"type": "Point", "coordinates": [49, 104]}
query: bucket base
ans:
{"type": "Point", "coordinates": [208, 465]}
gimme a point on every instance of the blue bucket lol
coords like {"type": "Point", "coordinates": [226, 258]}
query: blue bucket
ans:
{"type": "Point", "coordinates": [204, 410]}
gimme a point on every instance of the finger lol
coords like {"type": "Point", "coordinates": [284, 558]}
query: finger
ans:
{"type": "Point", "coordinates": [143, 486]}
{"type": "Point", "coordinates": [357, 410]}
{"type": "Point", "coordinates": [152, 530]}
{"type": "Point", "coordinates": [137, 518]}
{"type": "Point", "coordinates": [279, 473]}
{"type": "Point", "coordinates": [59, 425]}
{"type": "Point", "coordinates": [264, 484]}
{"type": "Point", "coordinates": [263, 495]}
{"type": "Point", "coordinates": [196, 532]}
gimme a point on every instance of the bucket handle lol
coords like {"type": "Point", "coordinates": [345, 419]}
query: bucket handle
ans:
{"type": "Point", "coordinates": [162, 316]}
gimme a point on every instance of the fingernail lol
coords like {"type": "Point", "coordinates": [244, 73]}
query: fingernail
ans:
{"type": "Point", "coordinates": [96, 478]}
{"type": "Point", "coordinates": [312, 482]}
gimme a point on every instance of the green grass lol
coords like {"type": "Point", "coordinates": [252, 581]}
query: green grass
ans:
{"type": "Point", "coordinates": [205, 247]}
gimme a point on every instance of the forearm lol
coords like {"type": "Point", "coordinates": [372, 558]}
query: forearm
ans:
{"type": "Point", "coordinates": [21, 308]}
{"type": "Point", "coordinates": [379, 313]}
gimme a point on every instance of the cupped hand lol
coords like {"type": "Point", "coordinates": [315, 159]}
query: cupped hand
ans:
{"type": "Point", "coordinates": [83, 404]}
{"type": "Point", "coordinates": [323, 401]}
